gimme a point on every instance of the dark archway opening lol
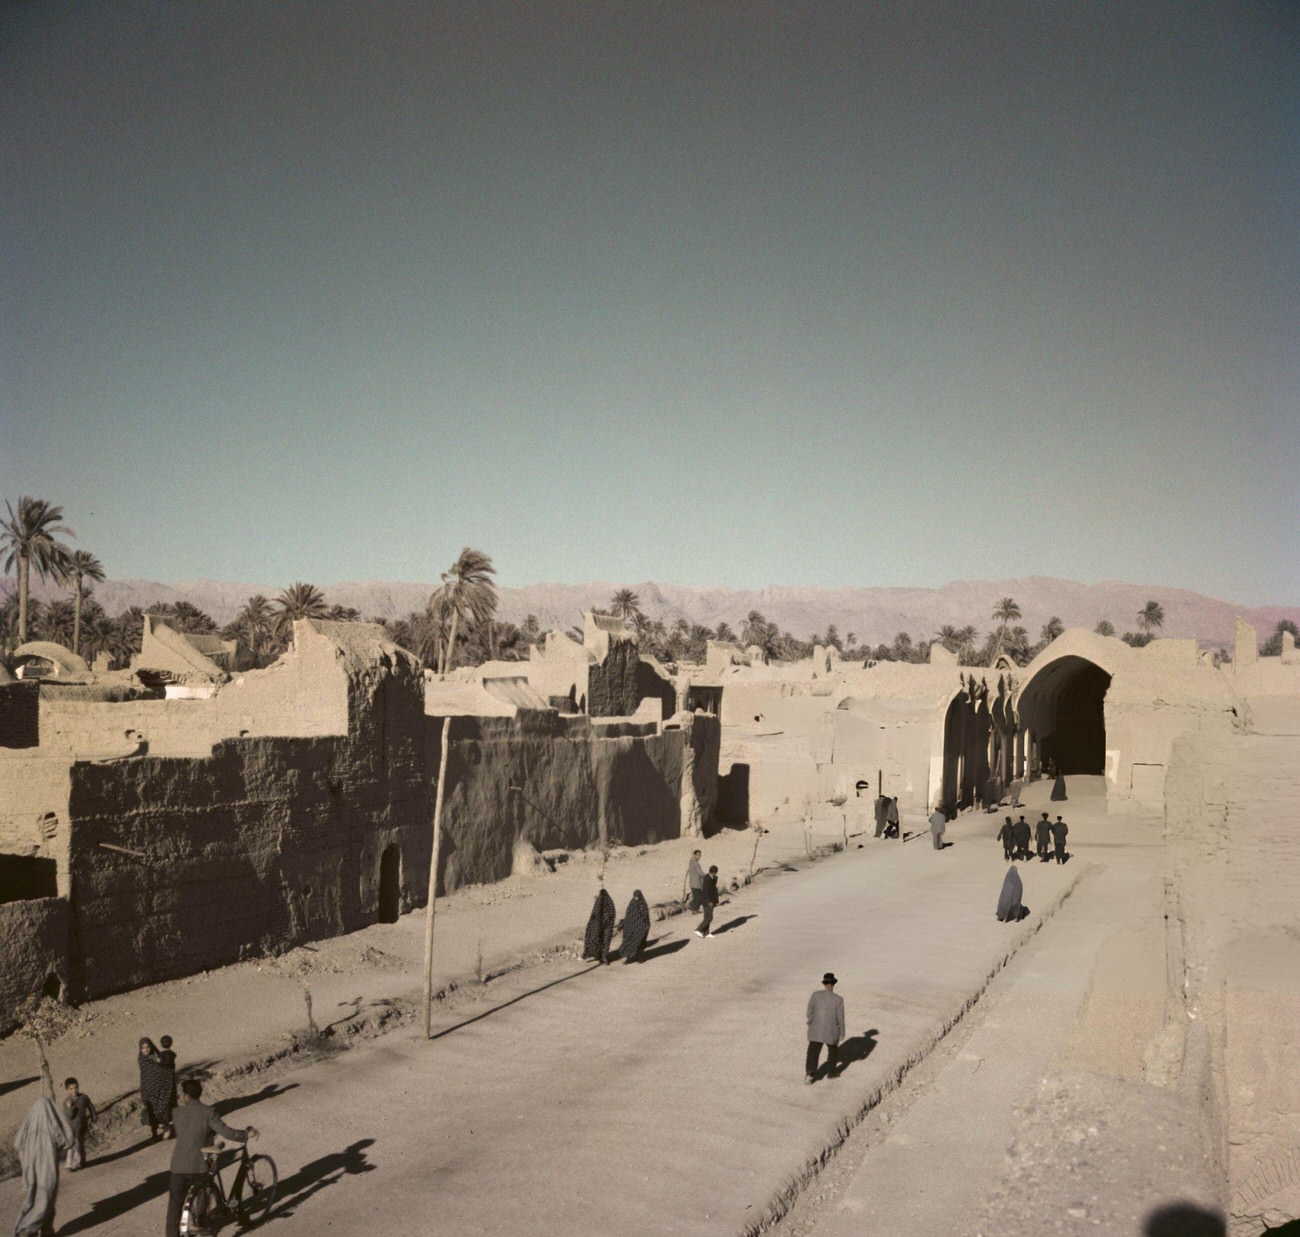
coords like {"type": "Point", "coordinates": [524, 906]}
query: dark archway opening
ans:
{"type": "Point", "coordinates": [390, 884]}
{"type": "Point", "coordinates": [965, 752]}
{"type": "Point", "coordinates": [1065, 707]}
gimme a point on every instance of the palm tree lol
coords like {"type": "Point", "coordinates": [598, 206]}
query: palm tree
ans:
{"type": "Point", "coordinates": [253, 624]}
{"type": "Point", "coordinates": [531, 631]}
{"type": "Point", "coordinates": [1006, 611]}
{"type": "Point", "coordinates": [185, 616]}
{"type": "Point", "coordinates": [30, 537]}
{"type": "Point", "coordinates": [1052, 628]}
{"type": "Point", "coordinates": [298, 601]}
{"type": "Point", "coordinates": [82, 566]}
{"type": "Point", "coordinates": [949, 637]}
{"type": "Point", "coordinates": [469, 592]}
{"type": "Point", "coordinates": [625, 604]}
{"type": "Point", "coordinates": [724, 633]}
{"type": "Point", "coordinates": [1104, 628]}
{"type": "Point", "coordinates": [1151, 617]}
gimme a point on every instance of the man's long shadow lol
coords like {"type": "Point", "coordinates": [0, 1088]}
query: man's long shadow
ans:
{"type": "Point", "coordinates": [18, 1082]}
{"type": "Point", "coordinates": [660, 951]}
{"type": "Point", "coordinates": [104, 1209]}
{"type": "Point", "coordinates": [269, 1092]}
{"type": "Point", "coordinates": [311, 1178]}
{"type": "Point", "coordinates": [857, 1048]}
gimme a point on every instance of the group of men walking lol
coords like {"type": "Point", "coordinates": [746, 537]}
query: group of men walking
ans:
{"type": "Point", "coordinates": [1047, 835]}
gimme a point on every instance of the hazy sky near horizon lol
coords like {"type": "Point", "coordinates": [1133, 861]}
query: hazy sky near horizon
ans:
{"type": "Point", "coordinates": [735, 294]}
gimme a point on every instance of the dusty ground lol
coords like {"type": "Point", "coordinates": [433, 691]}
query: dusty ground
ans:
{"type": "Point", "coordinates": [667, 1097]}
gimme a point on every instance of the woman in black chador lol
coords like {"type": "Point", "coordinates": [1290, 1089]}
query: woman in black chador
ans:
{"type": "Point", "coordinates": [636, 927]}
{"type": "Point", "coordinates": [1009, 908]}
{"type": "Point", "coordinates": [600, 929]}
{"type": "Point", "coordinates": [156, 1083]}
{"type": "Point", "coordinates": [1058, 787]}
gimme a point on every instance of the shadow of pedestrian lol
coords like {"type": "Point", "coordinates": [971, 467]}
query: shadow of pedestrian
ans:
{"type": "Point", "coordinates": [660, 951]}
{"type": "Point", "coordinates": [311, 1178]}
{"type": "Point", "coordinates": [732, 923]}
{"type": "Point", "coordinates": [236, 1102]}
{"type": "Point", "coordinates": [857, 1048]}
{"type": "Point", "coordinates": [120, 1154]}
{"type": "Point", "coordinates": [104, 1209]}
{"type": "Point", "coordinates": [1186, 1220]}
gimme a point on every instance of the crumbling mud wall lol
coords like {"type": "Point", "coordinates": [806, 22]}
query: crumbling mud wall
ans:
{"type": "Point", "coordinates": [35, 947]}
{"type": "Point", "coordinates": [567, 782]}
{"type": "Point", "coordinates": [1234, 854]}
{"type": "Point", "coordinates": [612, 682]}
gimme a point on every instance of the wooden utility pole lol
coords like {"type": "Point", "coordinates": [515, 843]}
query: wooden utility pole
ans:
{"type": "Point", "coordinates": [433, 881]}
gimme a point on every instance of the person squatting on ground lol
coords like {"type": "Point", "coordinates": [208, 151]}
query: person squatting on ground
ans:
{"type": "Point", "coordinates": [600, 929]}
{"type": "Point", "coordinates": [636, 927]}
{"type": "Point", "coordinates": [1007, 836]}
{"type": "Point", "coordinates": [695, 882]}
{"type": "Point", "coordinates": [825, 1026]}
{"type": "Point", "coordinates": [194, 1122]}
{"type": "Point", "coordinates": [1043, 837]}
{"type": "Point", "coordinates": [710, 897]}
{"type": "Point", "coordinates": [157, 1087]}
{"type": "Point", "coordinates": [1009, 900]}
{"type": "Point", "coordinates": [1023, 835]}
{"type": "Point", "coordinates": [43, 1134]}
{"type": "Point", "coordinates": [79, 1112]}
{"type": "Point", "coordinates": [1059, 830]}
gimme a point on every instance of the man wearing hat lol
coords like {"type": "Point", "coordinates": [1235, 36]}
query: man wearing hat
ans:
{"type": "Point", "coordinates": [825, 1026]}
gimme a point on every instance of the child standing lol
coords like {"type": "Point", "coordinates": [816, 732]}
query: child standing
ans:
{"type": "Point", "coordinates": [80, 1112]}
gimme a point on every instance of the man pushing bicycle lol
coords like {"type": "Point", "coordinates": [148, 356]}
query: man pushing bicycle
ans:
{"type": "Point", "coordinates": [194, 1122]}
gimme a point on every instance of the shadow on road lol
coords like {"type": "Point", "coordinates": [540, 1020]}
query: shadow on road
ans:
{"type": "Point", "coordinates": [18, 1082]}
{"type": "Point", "coordinates": [514, 1000]}
{"type": "Point", "coordinates": [121, 1153]}
{"type": "Point", "coordinates": [236, 1102]}
{"type": "Point", "coordinates": [660, 951]}
{"type": "Point", "coordinates": [312, 1178]}
{"type": "Point", "coordinates": [104, 1209]}
{"type": "Point", "coordinates": [732, 923]}
{"type": "Point", "coordinates": [857, 1048]}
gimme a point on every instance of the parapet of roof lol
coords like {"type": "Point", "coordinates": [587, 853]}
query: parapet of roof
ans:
{"type": "Point", "coordinates": [66, 663]}
{"type": "Point", "coordinates": [513, 689]}
{"type": "Point", "coordinates": [444, 698]}
{"type": "Point", "coordinates": [162, 647]}
{"type": "Point", "coordinates": [361, 644]}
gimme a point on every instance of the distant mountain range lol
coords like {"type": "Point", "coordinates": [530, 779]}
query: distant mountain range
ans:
{"type": "Point", "coordinates": [873, 615]}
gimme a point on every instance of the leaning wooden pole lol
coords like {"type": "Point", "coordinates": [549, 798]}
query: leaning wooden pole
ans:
{"type": "Point", "coordinates": [433, 881]}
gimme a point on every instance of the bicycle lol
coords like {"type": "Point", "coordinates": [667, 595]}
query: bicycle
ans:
{"type": "Point", "coordinates": [207, 1205]}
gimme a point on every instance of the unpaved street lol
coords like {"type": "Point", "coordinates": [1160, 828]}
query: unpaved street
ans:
{"type": "Point", "coordinates": [663, 1097]}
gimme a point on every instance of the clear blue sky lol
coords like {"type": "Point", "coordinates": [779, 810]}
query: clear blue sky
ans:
{"type": "Point", "coordinates": [736, 294]}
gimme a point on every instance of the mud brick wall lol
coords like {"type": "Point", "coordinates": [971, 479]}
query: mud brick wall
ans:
{"type": "Point", "coordinates": [578, 784]}
{"type": "Point", "coordinates": [34, 946]}
{"type": "Point", "coordinates": [265, 843]}
{"type": "Point", "coordinates": [612, 683]}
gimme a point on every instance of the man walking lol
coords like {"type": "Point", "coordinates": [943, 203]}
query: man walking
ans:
{"type": "Point", "coordinates": [193, 1122]}
{"type": "Point", "coordinates": [1007, 836]}
{"type": "Point", "coordinates": [1023, 834]}
{"type": "Point", "coordinates": [825, 1026]}
{"type": "Point", "coordinates": [1043, 837]}
{"type": "Point", "coordinates": [709, 897]}
{"type": "Point", "coordinates": [695, 881]}
{"type": "Point", "coordinates": [1059, 830]}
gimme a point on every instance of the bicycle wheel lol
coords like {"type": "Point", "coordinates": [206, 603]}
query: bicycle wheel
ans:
{"type": "Point", "coordinates": [200, 1209]}
{"type": "Point", "coordinates": [258, 1195]}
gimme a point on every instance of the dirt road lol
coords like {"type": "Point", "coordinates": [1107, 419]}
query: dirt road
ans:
{"type": "Point", "coordinates": [657, 1098]}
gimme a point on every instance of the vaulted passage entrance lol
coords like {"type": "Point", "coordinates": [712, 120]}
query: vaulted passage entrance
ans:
{"type": "Point", "coordinates": [1064, 706]}
{"type": "Point", "coordinates": [965, 749]}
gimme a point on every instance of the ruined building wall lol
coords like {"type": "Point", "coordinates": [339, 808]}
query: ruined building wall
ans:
{"type": "Point", "coordinates": [34, 943]}
{"type": "Point", "coordinates": [1234, 854]}
{"type": "Point", "coordinates": [612, 681]}
{"type": "Point", "coordinates": [579, 784]}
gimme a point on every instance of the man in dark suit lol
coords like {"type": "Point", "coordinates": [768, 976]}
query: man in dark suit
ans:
{"type": "Point", "coordinates": [193, 1122]}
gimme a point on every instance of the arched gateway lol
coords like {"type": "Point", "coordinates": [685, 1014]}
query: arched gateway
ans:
{"type": "Point", "coordinates": [1063, 706]}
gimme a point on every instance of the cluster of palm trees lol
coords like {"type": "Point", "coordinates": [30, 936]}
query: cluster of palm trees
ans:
{"type": "Point", "coordinates": [30, 538]}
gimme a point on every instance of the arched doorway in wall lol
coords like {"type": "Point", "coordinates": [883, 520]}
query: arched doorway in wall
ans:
{"type": "Point", "coordinates": [965, 749]}
{"type": "Point", "coordinates": [390, 883]}
{"type": "Point", "coordinates": [1064, 706]}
